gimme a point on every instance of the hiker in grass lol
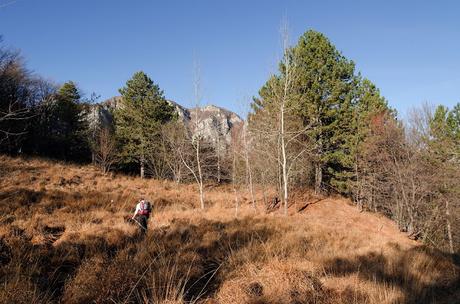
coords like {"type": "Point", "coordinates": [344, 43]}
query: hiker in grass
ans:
{"type": "Point", "coordinates": [142, 213]}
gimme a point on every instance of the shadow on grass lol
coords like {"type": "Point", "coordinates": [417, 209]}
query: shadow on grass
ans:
{"type": "Point", "coordinates": [424, 275]}
{"type": "Point", "coordinates": [184, 256]}
{"type": "Point", "coordinates": [186, 262]}
{"type": "Point", "coordinates": [202, 250]}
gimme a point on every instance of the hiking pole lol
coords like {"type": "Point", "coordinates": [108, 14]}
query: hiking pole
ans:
{"type": "Point", "coordinates": [139, 224]}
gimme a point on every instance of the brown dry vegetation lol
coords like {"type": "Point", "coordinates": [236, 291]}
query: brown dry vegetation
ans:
{"type": "Point", "coordinates": [64, 238]}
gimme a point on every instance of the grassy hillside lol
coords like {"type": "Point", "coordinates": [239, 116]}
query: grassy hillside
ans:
{"type": "Point", "coordinates": [64, 237]}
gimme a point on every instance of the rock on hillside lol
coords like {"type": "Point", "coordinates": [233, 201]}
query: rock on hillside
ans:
{"type": "Point", "coordinates": [214, 123]}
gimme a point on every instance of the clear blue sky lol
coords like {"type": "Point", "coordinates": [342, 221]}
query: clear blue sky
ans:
{"type": "Point", "coordinates": [410, 49]}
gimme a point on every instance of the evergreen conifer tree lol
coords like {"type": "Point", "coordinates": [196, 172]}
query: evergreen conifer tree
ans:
{"type": "Point", "coordinates": [333, 103]}
{"type": "Point", "coordinates": [59, 126]}
{"type": "Point", "coordinates": [325, 87]}
{"type": "Point", "coordinates": [138, 119]}
{"type": "Point", "coordinates": [368, 106]}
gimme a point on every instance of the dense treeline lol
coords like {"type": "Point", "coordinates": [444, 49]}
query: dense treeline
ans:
{"type": "Point", "coordinates": [37, 117]}
{"type": "Point", "coordinates": [317, 123]}
{"type": "Point", "coordinates": [140, 133]}
{"type": "Point", "coordinates": [411, 174]}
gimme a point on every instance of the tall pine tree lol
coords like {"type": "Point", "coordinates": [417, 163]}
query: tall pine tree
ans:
{"type": "Point", "coordinates": [138, 119]}
{"type": "Point", "coordinates": [333, 103]}
{"type": "Point", "coordinates": [325, 88]}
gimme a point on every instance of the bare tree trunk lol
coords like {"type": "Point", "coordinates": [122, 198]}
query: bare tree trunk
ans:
{"type": "Point", "coordinates": [237, 202]}
{"type": "Point", "coordinates": [197, 91]}
{"type": "Point", "coordinates": [358, 185]}
{"type": "Point", "coordinates": [218, 168]}
{"type": "Point", "coordinates": [178, 175]}
{"type": "Point", "coordinates": [251, 188]}
{"type": "Point", "coordinates": [359, 202]}
{"type": "Point", "coordinates": [449, 229]}
{"type": "Point", "coordinates": [280, 175]}
{"type": "Point", "coordinates": [318, 177]}
{"type": "Point", "coordinates": [142, 164]}
{"type": "Point", "coordinates": [248, 167]}
{"type": "Point", "coordinates": [200, 175]}
{"type": "Point", "coordinates": [284, 162]}
{"type": "Point", "coordinates": [409, 227]}
{"type": "Point", "coordinates": [318, 164]}
{"type": "Point", "coordinates": [218, 152]}
{"type": "Point", "coordinates": [287, 80]}
{"type": "Point", "coordinates": [264, 191]}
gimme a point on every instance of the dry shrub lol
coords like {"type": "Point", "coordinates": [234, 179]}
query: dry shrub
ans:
{"type": "Point", "coordinates": [22, 291]}
{"type": "Point", "coordinates": [101, 280]}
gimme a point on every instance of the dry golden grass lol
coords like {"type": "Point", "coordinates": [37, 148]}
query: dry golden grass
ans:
{"type": "Point", "coordinates": [64, 238]}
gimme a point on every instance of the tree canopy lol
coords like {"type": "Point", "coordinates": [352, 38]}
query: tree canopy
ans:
{"type": "Point", "coordinates": [138, 118]}
{"type": "Point", "coordinates": [333, 103]}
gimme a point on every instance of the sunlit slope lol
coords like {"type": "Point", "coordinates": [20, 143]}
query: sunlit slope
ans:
{"type": "Point", "coordinates": [65, 237]}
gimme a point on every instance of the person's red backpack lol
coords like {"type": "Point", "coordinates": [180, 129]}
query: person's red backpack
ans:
{"type": "Point", "coordinates": [145, 208]}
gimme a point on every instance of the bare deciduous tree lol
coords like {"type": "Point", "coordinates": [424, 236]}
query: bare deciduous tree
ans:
{"type": "Point", "coordinates": [196, 138]}
{"type": "Point", "coordinates": [408, 176]}
{"type": "Point", "coordinates": [22, 95]}
{"type": "Point", "coordinates": [105, 149]}
{"type": "Point", "coordinates": [174, 147]}
{"type": "Point", "coordinates": [280, 127]}
{"type": "Point", "coordinates": [15, 92]}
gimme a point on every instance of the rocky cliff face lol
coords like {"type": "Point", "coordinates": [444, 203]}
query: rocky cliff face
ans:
{"type": "Point", "coordinates": [213, 123]}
